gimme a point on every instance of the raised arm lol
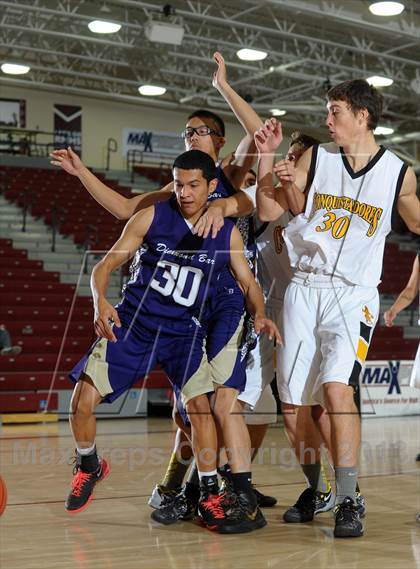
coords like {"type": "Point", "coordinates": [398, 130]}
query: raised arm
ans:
{"type": "Point", "coordinates": [408, 203]}
{"type": "Point", "coordinates": [120, 206]}
{"type": "Point", "coordinates": [407, 295]}
{"type": "Point", "coordinates": [130, 240]}
{"type": "Point", "coordinates": [237, 165]}
{"type": "Point", "coordinates": [238, 205]}
{"type": "Point", "coordinates": [252, 291]}
{"type": "Point", "coordinates": [271, 202]}
{"type": "Point", "coordinates": [293, 179]}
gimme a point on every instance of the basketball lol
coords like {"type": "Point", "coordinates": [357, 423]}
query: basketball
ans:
{"type": "Point", "coordinates": [3, 495]}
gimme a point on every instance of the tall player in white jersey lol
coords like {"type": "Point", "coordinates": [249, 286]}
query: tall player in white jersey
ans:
{"type": "Point", "coordinates": [335, 246]}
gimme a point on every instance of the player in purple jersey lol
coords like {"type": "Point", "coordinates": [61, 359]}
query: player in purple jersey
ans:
{"type": "Point", "coordinates": [205, 131]}
{"type": "Point", "coordinates": [158, 321]}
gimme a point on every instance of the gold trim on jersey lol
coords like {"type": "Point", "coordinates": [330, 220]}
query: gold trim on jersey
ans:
{"type": "Point", "coordinates": [97, 368]}
{"type": "Point", "coordinates": [362, 350]}
{"type": "Point", "coordinates": [367, 212]}
{"type": "Point", "coordinates": [222, 365]}
{"type": "Point", "coordinates": [198, 384]}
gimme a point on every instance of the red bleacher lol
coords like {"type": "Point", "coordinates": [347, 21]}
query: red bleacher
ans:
{"type": "Point", "coordinates": [62, 330]}
{"type": "Point", "coordinates": [34, 297]}
{"type": "Point", "coordinates": [53, 192]}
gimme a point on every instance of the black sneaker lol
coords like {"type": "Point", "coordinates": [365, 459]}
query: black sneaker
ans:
{"type": "Point", "coordinates": [243, 516]}
{"type": "Point", "coordinates": [212, 508]}
{"type": "Point", "coordinates": [360, 502]}
{"type": "Point", "coordinates": [324, 501]}
{"type": "Point", "coordinates": [156, 499]}
{"type": "Point", "coordinates": [264, 501]}
{"type": "Point", "coordinates": [304, 509]}
{"type": "Point", "coordinates": [347, 520]}
{"type": "Point", "coordinates": [174, 509]}
{"type": "Point", "coordinates": [82, 487]}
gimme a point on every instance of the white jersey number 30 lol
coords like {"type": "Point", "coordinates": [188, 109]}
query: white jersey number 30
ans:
{"type": "Point", "coordinates": [174, 280]}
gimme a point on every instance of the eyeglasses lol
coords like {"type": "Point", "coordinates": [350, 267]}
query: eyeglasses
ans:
{"type": "Point", "coordinates": [200, 130]}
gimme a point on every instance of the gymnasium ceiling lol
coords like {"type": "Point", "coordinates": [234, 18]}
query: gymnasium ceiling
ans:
{"type": "Point", "coordinates": [310, 44]}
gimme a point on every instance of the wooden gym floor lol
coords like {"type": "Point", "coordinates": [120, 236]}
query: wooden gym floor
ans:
{"type": "Point", "coordinates": [116, 532]}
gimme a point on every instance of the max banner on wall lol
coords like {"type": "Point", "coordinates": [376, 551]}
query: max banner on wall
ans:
{"type": "Point", "coordinates": [154, 145]}
{"type": "Point", "coordinates": [68, 127]}
{"type": "Point", "coordinates": [385, 389]}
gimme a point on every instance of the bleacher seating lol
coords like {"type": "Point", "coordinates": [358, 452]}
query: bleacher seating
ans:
{"type": "Point", "coordinates": [54, 194]}
{"type": "Point", "coordinates": [31, 296]}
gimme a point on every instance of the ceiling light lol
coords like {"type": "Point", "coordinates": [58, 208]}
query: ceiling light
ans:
{"type": "Point", "coordinates": [386, 8]}
{"type": "Point", "coordinates": [151, 90]}
{"type": "Point", "coordinates": [251, 54]}
{"type": "Point", "coordinates": [15, 69]}
{"type": "Point", "coordinates": [163, 32]}
{"type": "Point", "coordinates": [382, 130]}
{"type": "Point", "coordinates": [379, 81]}
{"type": "Point", "coordinates": [277, 112]}
{"type": "Point", "coordinates": [102, 27]}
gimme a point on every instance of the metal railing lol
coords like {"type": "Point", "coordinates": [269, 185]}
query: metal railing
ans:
{"type": "Point", "coordinates": [91, 239]}
{"type": "Point", "coordinates": [164, 173]}
{"type": "Point", "coordinates": [111, 146]}
{"type": "Point", "coordinates": [134, 158]}
{"type": "Point", "coordinates": [4, 182]}
{"type": "Point", "coordinates": [58, 216]}
{"type": "Point", "coordinates": [29, 199]}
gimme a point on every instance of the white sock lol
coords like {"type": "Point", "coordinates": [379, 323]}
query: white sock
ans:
{"type": "Point", "coordinates": [210, 473]}
{"type": "Point", "coordinates": [86, 451]}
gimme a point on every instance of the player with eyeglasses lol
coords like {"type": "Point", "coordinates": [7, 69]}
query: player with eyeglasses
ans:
{"type": "Point", "coordinates": [225, 348]}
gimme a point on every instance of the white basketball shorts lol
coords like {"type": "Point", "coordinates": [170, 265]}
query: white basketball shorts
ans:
{"type": "Point", "coordinates": [415, 372]}
{"type": "Point", "coordinates": [260, 404]}
{"type": "Point", "coordinates": [327, 327]}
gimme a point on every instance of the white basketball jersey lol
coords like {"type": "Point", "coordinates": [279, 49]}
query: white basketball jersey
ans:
{"type": "Point", "coordinates": [347, 216]}
{"type": "Point", "coordinates": [273, 266]}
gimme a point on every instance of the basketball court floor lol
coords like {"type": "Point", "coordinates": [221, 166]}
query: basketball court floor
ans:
{"type": "Point", "coordinates": [116, 532]}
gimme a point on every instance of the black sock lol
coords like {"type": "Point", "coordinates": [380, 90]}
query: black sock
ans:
{"type": "Point", "coordinates": [88, 463]}
{"type": "Point", "coordinates": [357, 487]}
{"type": "Point", "coordinates": [225, 472]}
{"type": "Point", "coordinates": [209, 484]}
{"type": "Point", "coordinates": [242, 481]}
{"type": "Point", "coordinates": [192, 491]}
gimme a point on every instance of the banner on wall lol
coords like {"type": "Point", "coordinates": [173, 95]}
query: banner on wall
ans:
{"type": "Point", "coordinates": [385, 389]}
{"type": "Point", "coordinates": [153, 144]}
{"type": "Point", "coordinates": [13, 113]}
{"type": "Point", "coordinates": [68, 127]}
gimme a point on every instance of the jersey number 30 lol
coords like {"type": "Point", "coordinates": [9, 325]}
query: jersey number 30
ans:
{"type": "Point", "coordinates": [338, 226]}
{"type": "Point", "coordinates": [182, 283]}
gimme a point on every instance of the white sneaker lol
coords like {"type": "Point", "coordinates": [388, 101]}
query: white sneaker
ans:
{"type": "Point", "coordinates": [157, 497]}
{"type": "Point", "coordinates": [324, 501]}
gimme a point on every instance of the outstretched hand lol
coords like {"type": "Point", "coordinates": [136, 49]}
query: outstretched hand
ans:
{"type": "Point", "coordinates": [285, 171]}
{"type": "Point", "coordinates": [219, 76]}
{"type": "Point", "coordinates": [67, 160]}
{"type": "Point", "coordinates": [267, 326]}
{"type": "Point", "coordinates": [211, 220]}
{"type": "Point", "coordinates": [269, 137]}
{"type": "Point", "coordinates": [389, 317]}
{"type": "Point", "coordinates": [105, 315]}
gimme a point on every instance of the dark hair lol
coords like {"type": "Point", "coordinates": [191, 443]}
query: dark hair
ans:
{"type": "Point", "coordinates": [303, 139]}
{"type": "Point", "coordinates": [203, 114]}
{"type": "Point", "coordinates": [359, 95]}
{"type": "Point", "coordinates": [196, 160]}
